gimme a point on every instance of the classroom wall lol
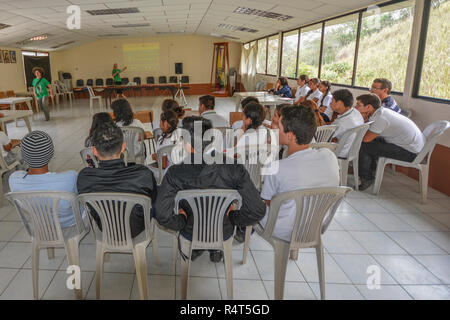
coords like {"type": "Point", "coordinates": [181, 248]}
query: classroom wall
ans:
{"type": "Point", "coordinates": [13, 77]}
{"type": "Point", "coordinates": [96, 59]}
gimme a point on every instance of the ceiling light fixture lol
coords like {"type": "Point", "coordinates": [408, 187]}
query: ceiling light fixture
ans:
{"type": "Point", "coordinates": [262, 13]}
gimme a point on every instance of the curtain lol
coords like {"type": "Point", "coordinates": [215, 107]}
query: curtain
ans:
{"type": "Point", "coordinates": [248, 67]}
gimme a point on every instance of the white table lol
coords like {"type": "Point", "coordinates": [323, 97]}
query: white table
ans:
{"type": "Point", "coordinates": [264, 98]}
{"type": "Point", "coordinates": [14, 115]}
{"type": "Point", "coordinates": [16, 100]}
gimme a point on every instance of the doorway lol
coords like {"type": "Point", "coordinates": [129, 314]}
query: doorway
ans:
{"type": "Point", "coordinates": [33, 59]}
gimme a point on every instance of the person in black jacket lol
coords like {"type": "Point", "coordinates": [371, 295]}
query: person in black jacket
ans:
{"type": "Point", "coordinates": [190, 175]}
{"type": "Point", "coordinates": [113, 176]}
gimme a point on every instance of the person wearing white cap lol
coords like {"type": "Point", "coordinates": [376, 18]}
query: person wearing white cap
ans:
{"type": "Point", "coordinates": [37, 151]}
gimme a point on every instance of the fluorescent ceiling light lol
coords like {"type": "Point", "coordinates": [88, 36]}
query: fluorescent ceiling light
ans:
{"type": "Point", "coordinates": [262, 13]}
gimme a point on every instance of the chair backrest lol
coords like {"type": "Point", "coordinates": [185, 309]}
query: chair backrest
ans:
{"type": "Point", "coordinates": [80, 83]}
{"type": "Point", "coordinates": [357, 133]}
{"type": "Point", "coordinates": [312, 205]}
{"type": "Point", "coordinates": [90, 82]}
{"type": "Point", "coordinates": [137, 80]}
{"type": "Point", "coordinates": [131, 136]}
{"type": "Point", "coordinates": [166, 150]}
{"type": "Point", "coordinates": [109, 81]}
{"type": "Point", "coordinates": [125, 81]}
{"type": "Point", "coordinates": [173, 79]}
{"type": "Point", "coordinates": [41, 209]}
{"type": "Point", "coordinates": [329, 145]}
{"type": "Point", "coordinates": [62, 88]}
{"type": "Point", "coordinates": [324, 133]}
{"type": "Point", "coordinates": [157, 132]}
{"type": "Point", "coordinates": [114, 210]}
{"type": "Point", "coordinates": [86, 154]}
{"type": "Point", "coordinates": [91, 92]}
{"type": "Point", "coordinates": [99, 82]}
{"type": "Point", "coordinates": [55, 88]}
{"type": "Point", "coordinates": [185, 79]}
{"type": "Point", "coordinates": [150, 80]}
{"type": "Point", "coordinates": [4, 167]}
{"type": "Point", "coordinates": [162, 79]}
{"type": "Point", "coordinates": [432, 133]}
{"type": "Point", "coordinates": [209, 207]}
{"type": "Point", "coordinates": [260, 86]}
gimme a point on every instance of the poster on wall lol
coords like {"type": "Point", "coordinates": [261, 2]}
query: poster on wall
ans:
{"type": "Point", "coordinates": [6, 56]}
{"type": "Point", "coordinates": [12, 56]}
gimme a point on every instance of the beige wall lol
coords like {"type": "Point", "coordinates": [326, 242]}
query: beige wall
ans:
{"type": "Point", "coordinates": [96, 59]}
{"type": "Point", "coordinates": [12, 75]}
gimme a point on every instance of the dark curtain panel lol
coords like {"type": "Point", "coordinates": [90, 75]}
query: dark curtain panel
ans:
{"type": "Point", "coordinates": [30, 62]}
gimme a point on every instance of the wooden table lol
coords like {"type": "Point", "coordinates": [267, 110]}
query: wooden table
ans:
{"type": "Point", "coordinates": [14, 115]}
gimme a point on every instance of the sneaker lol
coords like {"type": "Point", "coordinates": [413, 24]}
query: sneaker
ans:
{"type": "Point", "coordinates": [215, 255]}
{"type": "Point", "coordinates": [365, 184]}
{"type": "Point", "coordinates": [196, 253]}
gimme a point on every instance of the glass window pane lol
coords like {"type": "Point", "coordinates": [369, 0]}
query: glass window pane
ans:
{"type": "Point", "coordinates": [261, 57]}
{"type": "Point", "coordinates": [436, 68]}
{"type": "Point", "coordinates": [339, 49]}
{"type": "Point", "coordinates": [308, 59]}
{"type": "Point", "coordinates": [289, 54]}
{"type": "Point", "coordinates": [272, 59]}
{"type": "Point", "coordinates": [384, 44]}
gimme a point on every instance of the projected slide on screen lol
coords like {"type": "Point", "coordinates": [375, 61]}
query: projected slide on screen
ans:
{"type": "Point", "coordinates": [141, 56]}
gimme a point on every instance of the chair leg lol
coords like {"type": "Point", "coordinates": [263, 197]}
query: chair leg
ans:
{"type": "Point", "coordinates": [320, 267]}
{"type": "Point", "coordinates": [51, 253]}
{"type": "Point", "coordinates": [35, 270]}
{"type": "Point", "coordinates": [423, 182]}
{"type": "Point", "coordinates": [91, 105]}
{"type": "Point", "coordinates": [393, 169]}
{"type": "Point", "coordinates": [281, 260]}
{"type": "Point", "coordinates": [141, 270]}
{"type": "Point", "coordinates": [379, 175]}
{"type": "Point", "coordinates": [248, 233]}
{"type": "Point", "coordinates": [356, 173]}
{"type": "Point", "coordinates": [1, 188]}
{"type": "Point", "coordinates": [155, 245]}
{"type": "Point", "coordinates": [228, 261]}
{"type": "Point", "coordinates": [73, 255]}
{"type": "Point", "coordinates": [343, 166]}
{"type": "Point", "coordinates": [99, 269]}
{"type": "Point", "coordinates": [185, 266]}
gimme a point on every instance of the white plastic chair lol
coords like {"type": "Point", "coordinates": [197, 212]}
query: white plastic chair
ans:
{"type": "Point", "coordinates": [324, 133]}
{"type": "Point", "coordinates": [329, 145]}
{"type": "Point", "coordinates": [39, 213]}
{"type": "Point", "coordinates": [209, 208]}
{"type": "Point", "coordinates": [66, 92]}
{"type": "Point", "coordinates": [312, 207]}
{"type": "Point", "coordinates": [422, 161]}
{"type": "Point", "coordinates": [357, 134]}
{"type": "Point", "coordinates": [166, 150]}
{"type": "Point", "coordinates": [92, 98]}
{"type": "Point", "coordinates": [56, 92]}
{"type": "Point", "coordinates": [114, 210]}
{"type": "Point", "coordinates": [260, 86]}
{"type": "Point", "coordinates": [5, 168]}
{"type": "Point", "coordinates": [88, 152]}
{"type": "Point", "coordinates": [133, 136]}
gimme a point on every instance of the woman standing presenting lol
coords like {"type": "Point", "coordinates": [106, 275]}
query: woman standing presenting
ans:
{"type": "Point", "coordinates": [41, 89]}
{"type": "Point", "coordinates": [117, 79]}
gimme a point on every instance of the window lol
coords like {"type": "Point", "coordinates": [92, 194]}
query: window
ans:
{"type": "Point", "coordinates": [435, 76]}
{"type": "Point", "coordinates": [34, 53]}
{"type": "Point", "coordinates": [384, 44]}
{"type": "Point", "coordinates": [289, 54]}
{"type": "Point", "coordinates": [309, 55]}
{"type": "Point", "coordinates": [261, 57]}
{"type": "Point", "coordinates": [339, 49]}
{"type": "Point", "coordinates": [272, 55]}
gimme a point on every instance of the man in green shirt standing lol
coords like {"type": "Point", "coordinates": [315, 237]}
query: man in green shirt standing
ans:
{"type": "Point", "coordinates": [117, 79]}
{"type": "Point", "coordinates": [41, 89]}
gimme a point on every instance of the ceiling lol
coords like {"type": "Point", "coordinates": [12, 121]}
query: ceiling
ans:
{"type": "Point", "coordinates": [30, 18]}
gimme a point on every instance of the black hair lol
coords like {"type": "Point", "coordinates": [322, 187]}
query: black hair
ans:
{"type": "Point", "coordinates": [300, 121]}
{"type": "Point", "coordinates": [247, 100]}
{"type": "Point", "coordinates": [122, 111]}
{"type": "Point", "coordinates": [304, 77]}
{"type": "Point", "coordinates": [99, 119]}
{"type": "Point", "coordinates": [370, 98]}
{"type": "Point", "coordinates": [172, 119]}
{"type": "Point", "coordinates": [108, 140]}
{"type": "Point", "coordinates": [345, 96]}
{"type": "Point", "coordinates": [283, 81]}
{"type": "Point", "coordinates": [170, 104]}
{"type": "Point", "coordinates": [255, 112]}
{"type": "Point", "coordinates": [280, 107]}
{"type": "Point", "coordinates": [385, 83]}
{"type": "Point", "coordinates": [208, 101]}
{"type": "Point", "coordinates": [328, 85]}
{"type": "Point", "coordinates": [317, 82]}
{"type": "Point", "coordinates": [188, 124]}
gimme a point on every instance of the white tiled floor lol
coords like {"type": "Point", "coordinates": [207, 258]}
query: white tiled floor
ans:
{"type": "Point", "coordinates": [408, 241]}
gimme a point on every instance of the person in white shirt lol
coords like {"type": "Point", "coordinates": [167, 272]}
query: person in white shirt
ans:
{"type": "Point", "coordinates": [325, 101]}
{"type": "Point", "coordinates": [348, 118]}
{"type": "Point", "coordinates": [390, 135]}
{"type": "Point", "coordinates": [253, 132]}
{"type": "Point", "coordinates": [302, 89]}
{"type": "Point", "coordinates": [9, 151]}
{"type": "Point", "coordinates": [207, 104]}
{"type": "Point", "coordinates": [304, 167]}
{"type": "Point", "coordinates": [314, 93]}
{"type": "Point", "coordinates": [124, 117]}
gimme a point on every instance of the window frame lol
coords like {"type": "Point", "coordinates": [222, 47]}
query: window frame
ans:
{"type": "Point", "coordinates": [296, 58]}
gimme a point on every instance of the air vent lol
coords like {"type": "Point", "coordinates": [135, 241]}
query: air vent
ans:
{"type": "Point", "coordinates": [169, 32]}
{"type": "Point", "coordinates": [103, 12]}
{"type": "Point", "coordinates": [262, 13]}
{"type": "Point", "coordinates": [112, 35]}
{"type": "Point", "coordinates": [135, 25]}
{"type": "Point", "coordinates": [4, 26]}
{"type": "Point", "coordinates": [63, 44]}
{"type": "Point", "coordinates": [236, 28]}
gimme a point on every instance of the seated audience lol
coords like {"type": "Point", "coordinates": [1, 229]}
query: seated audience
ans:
{"type": "Point", "coordinates": [253, 131]}
{"type": "Point", "coordinates": [302, 89]}
{"type": "Point", "coordinates": [391, 135]}
{"type": "Point", "coordinates": [239, 124]}
{"type": "Point", "coordinates": [190, 175]}
{"type": "Point", "coordinates": [113, 176]}
{"type": "Point", "coordinates": [314, 93]}
{"type": "Point", "coordinates": [10, 150]}
{"type": "Point", "coordinates": [348, 118]}
{"type": "Point", "coordinates": [276, 116]}
{"type": "Point", "coordinates": [99, 119]}
{"type": "Point", "coordinates": [206, 110]}
{"type": "Point", "coordinates": [313, 106]}
{"type": "Point", "coordinates": [304, 167]}
{"type": "Point", "coordinates": [382, 88]}
{"type": "Point", "coordinates": [170, 104]}
{"type": "Point", "coordinates": [37, 151]}
{"type": "Point", "coordinates": [282, 88]}
{"type": "Point", "coordinates": [324, 102]}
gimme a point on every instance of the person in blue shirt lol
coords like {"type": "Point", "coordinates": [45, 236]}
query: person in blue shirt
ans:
{"type": "Point", "coordinates": [382, 88]}
{"type": "Point", "coordinates": [282, 88]}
